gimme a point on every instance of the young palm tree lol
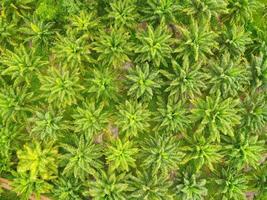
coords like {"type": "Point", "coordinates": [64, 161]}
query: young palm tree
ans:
{"type": "Point", "coordinates": [15, 104]}
{"type": "Point", "coordinates": [47, 125]}
{"type": "Point", "coordinates": [240, 11]}
{"type": "Point", "coordinates": [25, 186]}
{"type": "Point", "coordinates": [104, 85]}
{"type": "Point", "coordinates": [120, 155]}
{"type": "Point", "coordinates": [84, 24]}
{"type": "Point", "coordinates": [244, 151]}
{"type": "Point", "coordinates": [38, 33]}
{"type": "Point", "coordinates": [142, 82]}
{"type": "Point", "coordinates": [38, 160]}
{"type": "Point", "coordinates": [108, 186]}
{"type": "Point", "coordinates": [199, 152]}
{"type": "Point", "coordinates": [122, 14]}
{"type": "Point", "coordinates": [72, 52]}
{"type": "Point", "coordinates": [7, 33]}
{"type": "Point", "coordinates": [61, 86]}
{"type": "Point", "coordinates": [21, 65]}
{"type": "Point", "coordinates": [68, 188]}
{"type": "Point", "coordinates": [254, 112]}
{"type": "Point", "coordinates": [228, 76]}
{"type": "Point", "coordinates": [259, 70]}
{"type": "Point", "coordinates": [190, 187]}
{"type": "Point", "coordinates": [234, 40]}
{"type": "Point", "coordinates": [184, 82]}
{"type": "Point", "coordinates": [214, 115]}
{"type": "Point", "coordinates": [171, 116]}
{"type": "Point", "coordinates": [157, 11]}
{"type": "Point", "coordinates": [154, 46]}
{"type": "Point", "coordinates": [231, 184]}
{"type": "Point", "coordinates": [82, 158]}
{"type": "Point", "coordinates": [160, 153]}
{"type": "Point", "coordinates": [132, 118]}
{"type": "Point", "coordinates": [90, 119]}
{"type": "Point", "coordinates": [196, 42]}
{"type": "Point", "coordinates": [113, 47]}
{"type": "Point", "coordinates": [204, 9]}
{"type": "Point", "coordinates": [146, 186]}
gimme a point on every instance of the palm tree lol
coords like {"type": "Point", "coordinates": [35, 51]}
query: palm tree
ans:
{"type": "Point", "coordinates": [39, 160]}
{"type": "Point", "coordinates": [196, 42]}
{"type": "Point", "coordinates": [190, 186]}
{"type": "Point", "coordinates": [214, 115]}
{"type": "Point", "coordinates": [163, 11]}
{"type": "Point", "coordinates": [142, 82]}
{"type": "Point", "coordinates": [154, 45]}
{"type": "Point", "coordinates": [146, 186]}
{"type": "Point", "coordinates": [90, 119]}
{"type": "Point", "coordinates": [244, 151]}
{"type": "Point", "coordinates": [132, 118]}
{"type": "Point", "coordinates": [72, 52]}
{"type": "Point", "coordinates": [123, 14]}
{"type": "Point", "coordinates": [21, 65]}
{"type": "Point", "coordinates": [108, 186]}
{"type": "Point", "coordinates": [61, 86]}
{"type": "Point", "coordinates": [184, 82]}
{"type": "Point", "coordinates": [113, 47]}
{"type": "Point", "coordinates": [26, 186]}
{"type": "Point", "coordinates": [120, 155]}
{"type": "Point", "coordinates": [228, 76]}
{"type": "Point", "coordinates": [171, 116]}
{"type": "Point", "coordinates": [82, 158]}
{"type": "Point", "coordinates": [160, 153]}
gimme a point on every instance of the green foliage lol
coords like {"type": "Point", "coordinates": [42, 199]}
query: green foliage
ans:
{"type": "Point", "coordinates": [234, 40]}
{"type": "Point", "coordinates": [72, 52]}
{"type": "Point", "coordinates": [47, 125]}
{"type": "Point", "coordinates": [231, 185]}
{"type": "Point", "coordinates": [91, 118]}
{"type": "Point", "coordinates": [190, 186]}
{"type": "Point", "coordinates": [122, 14]}
{"type": "Point", "coordinates": [196, 42]}
{"type": "Point", "coordinates": [25, 186]}
{"type": "Point", "coordinates": [254, 112]}
{"type": "Point", "coordinates": [133, 118]}
{"type": "Point", "coordinates": [84, 25]}
{"type": "Point", "coordinates": [39, 161]}
{"type": "Point", "coordinates": [15, 104]}
{"type": "Point", "coordinates": [160, 152]}
{"type": "Point", "coordinates": [214, 115]}
{"type": "Point", "coordinates": [61, 86]}
{"type": "Point", "coordinates": [147, 186]}
{"type": "Point", "coordinates": [67, 188]}
{"type": "Point", "coordinates": [21, 65]}
{"type": "Point", "coordinates": [199, 152]}
{"type": "Point", "coordinates": [133, 99]}
{"type": "Point", "coordinates": [160, 11]}
{"type": "Point", "coordinates": [142, 82]}
{"type": "Point", "coordinates": [81, 158]}
{"type": "Point", "coordinates": [7, 33]}
{"type": "Point", "coordinates": [104, 85]}
{"type": "Point", "coordinates": [245, 151]}
{"type": "Point", "coordinates": [205, 9]}
{"type": "Point", "coordinates": [171, 116]}
{"type": "Point", "coordinates": [113, 48]}
{"type": "Point", "coordinates": [120, 155]}
{"type": "Point", "coordinates": [154, 45]}
{"type": "Point", "coordinates": [228, 76]}
{"type": "Point", "coordinates": [108, 186]}
{"type": "Point", "coordinates": [185, 81]}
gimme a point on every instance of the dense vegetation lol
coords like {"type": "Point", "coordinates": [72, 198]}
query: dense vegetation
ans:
{"type": "Point", "coordinates": [134, 99]}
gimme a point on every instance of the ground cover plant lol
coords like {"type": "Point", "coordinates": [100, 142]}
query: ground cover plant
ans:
{"type": "Point", "coordinates": [133, 99]}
